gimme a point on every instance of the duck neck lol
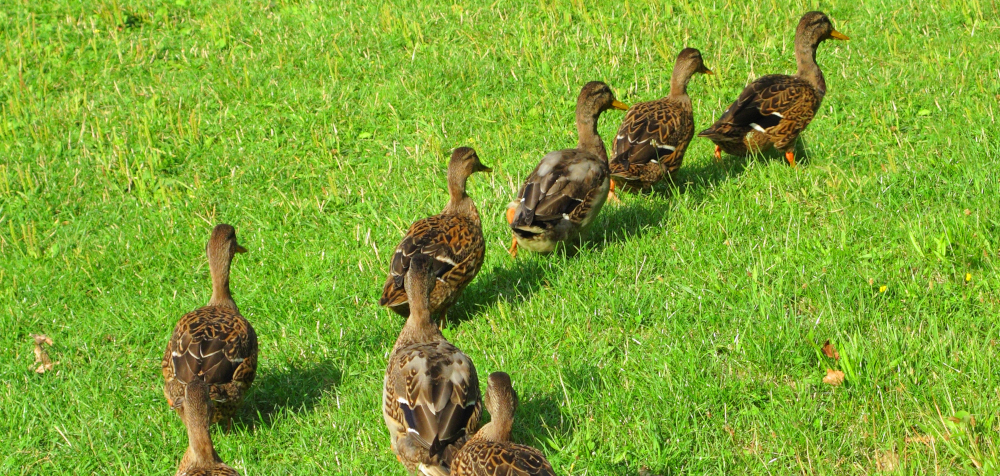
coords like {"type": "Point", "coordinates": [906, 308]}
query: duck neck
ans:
{"type": "Point", "coordinates": [679, 82]}
{"type": "Point", "coordinates": [418, 328]}
{"type": "Point", "coordinates": [589, 139]}
{"type": "Point", "coordinates": [221, 296]}
{"type": "Point", "coordinates": [498, 430]}
{"type": "Point", "coordinates": [805, 58]}
{"type": "Point", "coordinates": [459, 202]}
{"type": "Point", "coordinates": [200, 450]}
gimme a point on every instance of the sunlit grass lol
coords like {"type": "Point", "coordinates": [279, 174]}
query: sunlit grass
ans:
{"type": "Point", "coordinates": [686, 338]}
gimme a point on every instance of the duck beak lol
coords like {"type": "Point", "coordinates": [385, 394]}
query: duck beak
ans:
{"type": "Point", "coordinates": [240, 249]}
{"type": "Point", "coordinates": [619, 105]}
{"type": "Point", "coordinates": [705, 70]}
{"type": "Point", "coordinates": [483, 168]}
{"type": "Point", "coordinates": [838, 35]}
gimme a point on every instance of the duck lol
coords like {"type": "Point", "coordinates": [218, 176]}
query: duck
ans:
{"type": "Point", "coordinates": [490, 451]}
{"type": "Point", "coordinates": [452, 239]}
{"type": "Point", "coordinates": [652, 139]}
{"type": "Point", "coordinates": [200, 459]}
{"type": "Point", "coordinates": [431, 400]}
{"type": "Point", "coordinates": [561, 197]}
{"type": "Point", "coordinates": [214, 343]}
{"type": "Point", "coordinates": [773, 110]}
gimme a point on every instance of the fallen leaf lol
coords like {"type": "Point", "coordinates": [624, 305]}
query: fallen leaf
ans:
{"type": "Point", "coordinates": [833, 377]}
{"type": "Point", "coordinates": [830, 351]}
{"type": "Point", "coordinates": [41, 356]}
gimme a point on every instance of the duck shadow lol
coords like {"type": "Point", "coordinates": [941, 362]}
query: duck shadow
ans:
{"type": "Point", "coordinates": [295, 388]}
{"type": "Point", "coordinates": [514, 281]}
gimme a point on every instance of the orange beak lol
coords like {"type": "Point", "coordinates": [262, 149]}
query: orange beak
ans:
{"type": "Point", "coordinates": [838, 35]}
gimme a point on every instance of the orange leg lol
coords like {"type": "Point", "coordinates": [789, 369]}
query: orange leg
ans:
{"type": "Point", "coordinates": [510, 214]}
{"type": "Point", "coordinates": [611, 193]}
{"type": "Point", "coordinates": [790, 157]}
{"type": "Point", "coordinates": [513, 248]}
{"type": "Point", "coordinates": [718, 153]}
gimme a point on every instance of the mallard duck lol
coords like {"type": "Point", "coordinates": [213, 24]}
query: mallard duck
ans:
{"type": "Point", "coordinates": [431, 400]}
{"type": "Point", "coordinates": [565, 192]}
{"type": "Point", "coordinates": [490, 452]}
{"type": "Point", "coordinates": [453, 240]}
{"type": "Point", "coordinates": [196, 409]}
{"type": "Point", "coordinates": [213, 343]}
{"type": "Point", "coordinates": [654, 135]}
{"type": "Point", "coordinates": [775, 109]}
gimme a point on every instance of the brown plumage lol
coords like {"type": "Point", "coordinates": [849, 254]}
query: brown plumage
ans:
{"type": "Point", "coordinates": [654, 135]}
{"type": "Point", "coordinates": [453, 240]}
{"type": "Point", "coordinates": [200, 459]}
{"type": "Point", "coordinates": [565, 192]}
{"type": "Point", "coordinates": [430, 400]}
{"type": "Point", "coordinates": [775, 109]}
{"type": "Point", "coordinates": [214, 343]}
{"type": "Point", "coordinates": [490, 452]}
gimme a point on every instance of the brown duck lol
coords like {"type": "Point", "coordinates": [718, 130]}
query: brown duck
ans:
{"type": "Point", "coordinates": [453, 240]}
{"type": "Point", "coordinates": [565, 192]}
{"type": "Point", "coordinates": [430, 400]}
{"type": "Point", "coordinates": [490, 452]}
{"type": "Point", "coordinates": [214, 343]}
{"type": "Point", "coordinates": [775, 109]}
{"type": "Point", "coordinates": [200, 459]}
{"type": "Point", "coordinates": [654, 135]}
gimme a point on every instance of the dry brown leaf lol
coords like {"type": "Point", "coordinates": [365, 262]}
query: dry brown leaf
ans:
{"type": "Point", "coordinates": [833, 377]}
{"type": "Point", "coordinates": [830, 351]}
{"type": "Point", "coordinates": [41, 356]}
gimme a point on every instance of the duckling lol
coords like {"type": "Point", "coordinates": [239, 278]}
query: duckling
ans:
{"type": "Point", "coordinates": [215, 343]}
{"type": "Point", "coordinates": [654, 135]}
{"type": "Point", "coordinates": [453, 240]}
{"type": "Point", "coordinates": [200, 459]}
{"type": "Point", "coordinates": [430, 399]}
{"type": "Point", "coordinates": [562, 196]}
{"type": "Point", "coordinates": [490, 452]}
{"type": "Point", "coordinates": [775, 109]}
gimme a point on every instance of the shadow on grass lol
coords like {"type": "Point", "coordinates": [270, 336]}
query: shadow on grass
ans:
{"type": "Point", "coordinates": [515, 281]}
{"type": "Point", "coordinates": [620, 223]}
{"type": "Point", "coordinates": [294, 388]}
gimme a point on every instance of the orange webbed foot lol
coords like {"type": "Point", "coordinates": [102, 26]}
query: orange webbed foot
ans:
{"type": "Point", "coordinates": [513, 248]}
{"type": "Point", "coordinates": [790, 157]}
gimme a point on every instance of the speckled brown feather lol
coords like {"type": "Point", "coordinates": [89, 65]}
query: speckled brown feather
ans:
{"type": "Point", "coordinates": [430, 401]}
{"type": "Point", "coordinates": [487, 458]}
{"type": "Point", "coordinates": [651, 141]}
{"type": "Point", "coordinates": [490, 452]}
{"type": "Point", "coordinates": [220, 346]}
{"type": "Point", "coordinates": [452, 239]}
{"type": "Point", "coordinates": [455, 242]}
{"type": "Point", "coordinates": [780, 105]}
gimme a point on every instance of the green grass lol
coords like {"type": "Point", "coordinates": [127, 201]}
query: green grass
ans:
{"type": "Point", "coordinates": [685, 338]}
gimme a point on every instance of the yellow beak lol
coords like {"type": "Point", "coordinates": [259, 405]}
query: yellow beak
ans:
{"type": "Point", "coordinates": [838, 35]}
{"type": "Point", "coordinates": [619, 105]}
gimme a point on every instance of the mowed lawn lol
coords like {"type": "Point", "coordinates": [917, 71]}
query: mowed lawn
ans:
{"type": "Point", "coordinates": [685, 338]}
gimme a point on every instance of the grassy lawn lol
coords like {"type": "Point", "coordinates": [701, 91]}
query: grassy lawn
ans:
{"type": "Point", "coordinates": [685, 338]}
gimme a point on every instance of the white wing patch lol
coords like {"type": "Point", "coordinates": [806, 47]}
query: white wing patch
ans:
{"type": "Point", "coordinates": [757, 128]}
